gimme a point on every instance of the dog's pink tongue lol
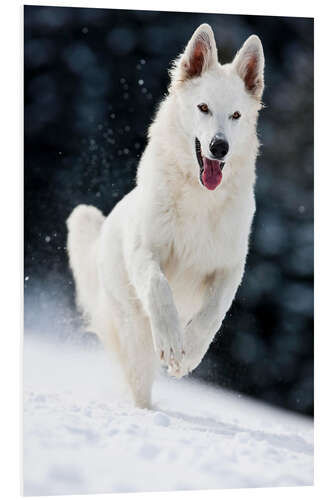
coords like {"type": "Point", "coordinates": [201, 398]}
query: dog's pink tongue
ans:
{"type": "Point", "coordinates": [212, 175]}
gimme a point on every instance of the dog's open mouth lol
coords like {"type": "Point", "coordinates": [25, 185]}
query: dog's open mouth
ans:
{"type": "Point", "coordinates": [210, 170]}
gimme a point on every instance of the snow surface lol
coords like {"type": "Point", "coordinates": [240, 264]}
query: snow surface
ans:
{"type": "Point", "coordinates": [82, 435]}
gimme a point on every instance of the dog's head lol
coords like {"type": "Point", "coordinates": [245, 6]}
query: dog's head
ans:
{"type": "Point", "coordinates": [217, 104]}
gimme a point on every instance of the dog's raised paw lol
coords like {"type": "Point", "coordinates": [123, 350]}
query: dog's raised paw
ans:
{"type": "Point", "coordinates": [168, 358]}
{"type": "Point", "coordinates": [169, 348]}
{"type": "Point", "coordinates": [177, 370]}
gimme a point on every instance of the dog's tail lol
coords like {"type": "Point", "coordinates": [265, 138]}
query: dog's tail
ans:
{"type": "Point", "coordinates": [84, 227]}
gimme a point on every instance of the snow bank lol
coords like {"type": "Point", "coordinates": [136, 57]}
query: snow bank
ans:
{"type": "Point", "coordinates": [81, 434]}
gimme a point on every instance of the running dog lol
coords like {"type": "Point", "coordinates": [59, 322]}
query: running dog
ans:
{"type": "Point", "coordinates": [156, 277]}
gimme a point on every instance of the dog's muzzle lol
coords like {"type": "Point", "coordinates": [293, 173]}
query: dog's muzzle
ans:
{"type": "Point", "coordinates": [210, 170]}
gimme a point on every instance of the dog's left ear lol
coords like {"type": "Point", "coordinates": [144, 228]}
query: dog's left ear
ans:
{"type": "Point", "coordinates": [249, 64]}
{"type": "Point", "coordinates": [200, 55]}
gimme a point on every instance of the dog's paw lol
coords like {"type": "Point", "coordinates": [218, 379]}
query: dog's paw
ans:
{"type": "Point", "coordinates": [194, 350]}
{"type": "Point", "coordinates": [170, 351]}
{"type": "Point", "coordinates": [185, 368]}
{"type": "Point", "coordinates": [176, 369]}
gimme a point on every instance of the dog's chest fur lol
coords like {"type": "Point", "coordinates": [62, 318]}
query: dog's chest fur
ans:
{"type": "Point", "coordinates": [205, 233]}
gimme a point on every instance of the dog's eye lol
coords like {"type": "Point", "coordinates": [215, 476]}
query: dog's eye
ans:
{"type": "Point", "coordinates": [203, 107]}
{"type": "Point", "coordinates": [236, 115]}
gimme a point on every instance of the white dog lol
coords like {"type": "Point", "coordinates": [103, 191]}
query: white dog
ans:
{"type": "Point", "coordinates": [157, 276]}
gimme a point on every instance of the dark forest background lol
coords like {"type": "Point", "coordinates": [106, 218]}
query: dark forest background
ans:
{"type": "Point", "coordinates": [93, 78]}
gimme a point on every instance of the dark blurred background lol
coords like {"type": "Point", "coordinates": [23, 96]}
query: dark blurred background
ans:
{"type": "Point", "coordinates": [93, 78]}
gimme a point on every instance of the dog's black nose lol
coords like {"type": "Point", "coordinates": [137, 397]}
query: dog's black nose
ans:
{"type": "Point", "coordinates": [219, 147]}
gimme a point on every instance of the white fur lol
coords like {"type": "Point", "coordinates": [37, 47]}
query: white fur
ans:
{"type": "Point", "coordinates": [157, 276]}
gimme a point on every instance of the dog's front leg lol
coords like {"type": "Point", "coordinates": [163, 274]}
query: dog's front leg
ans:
{"type": "Point", "coordinates": [155, 294]}
{"type": "Point", "coordinates": [200, 331]}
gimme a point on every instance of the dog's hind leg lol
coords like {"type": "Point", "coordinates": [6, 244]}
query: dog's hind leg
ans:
{"type": "Point", "coordinates": [134, 348]}
{"type": "Point", "coordinates": [140, 365]}
{"type": "Point", "coordinates": [138, 357]}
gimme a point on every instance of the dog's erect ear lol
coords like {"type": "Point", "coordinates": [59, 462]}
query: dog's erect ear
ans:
{"type": "Point", "coordinates": [200, 54]}
{"type": "Point", "coordinates": [249, 64]}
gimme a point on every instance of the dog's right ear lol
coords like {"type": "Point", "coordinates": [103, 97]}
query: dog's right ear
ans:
{"type": "Point", "coordinates": [249, 64]}
{"type": "Point", "coordinates": [200, 54]}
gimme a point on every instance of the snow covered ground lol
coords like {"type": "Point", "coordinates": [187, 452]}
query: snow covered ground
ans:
{"type": "Point", "coordinates": [81, 434]}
